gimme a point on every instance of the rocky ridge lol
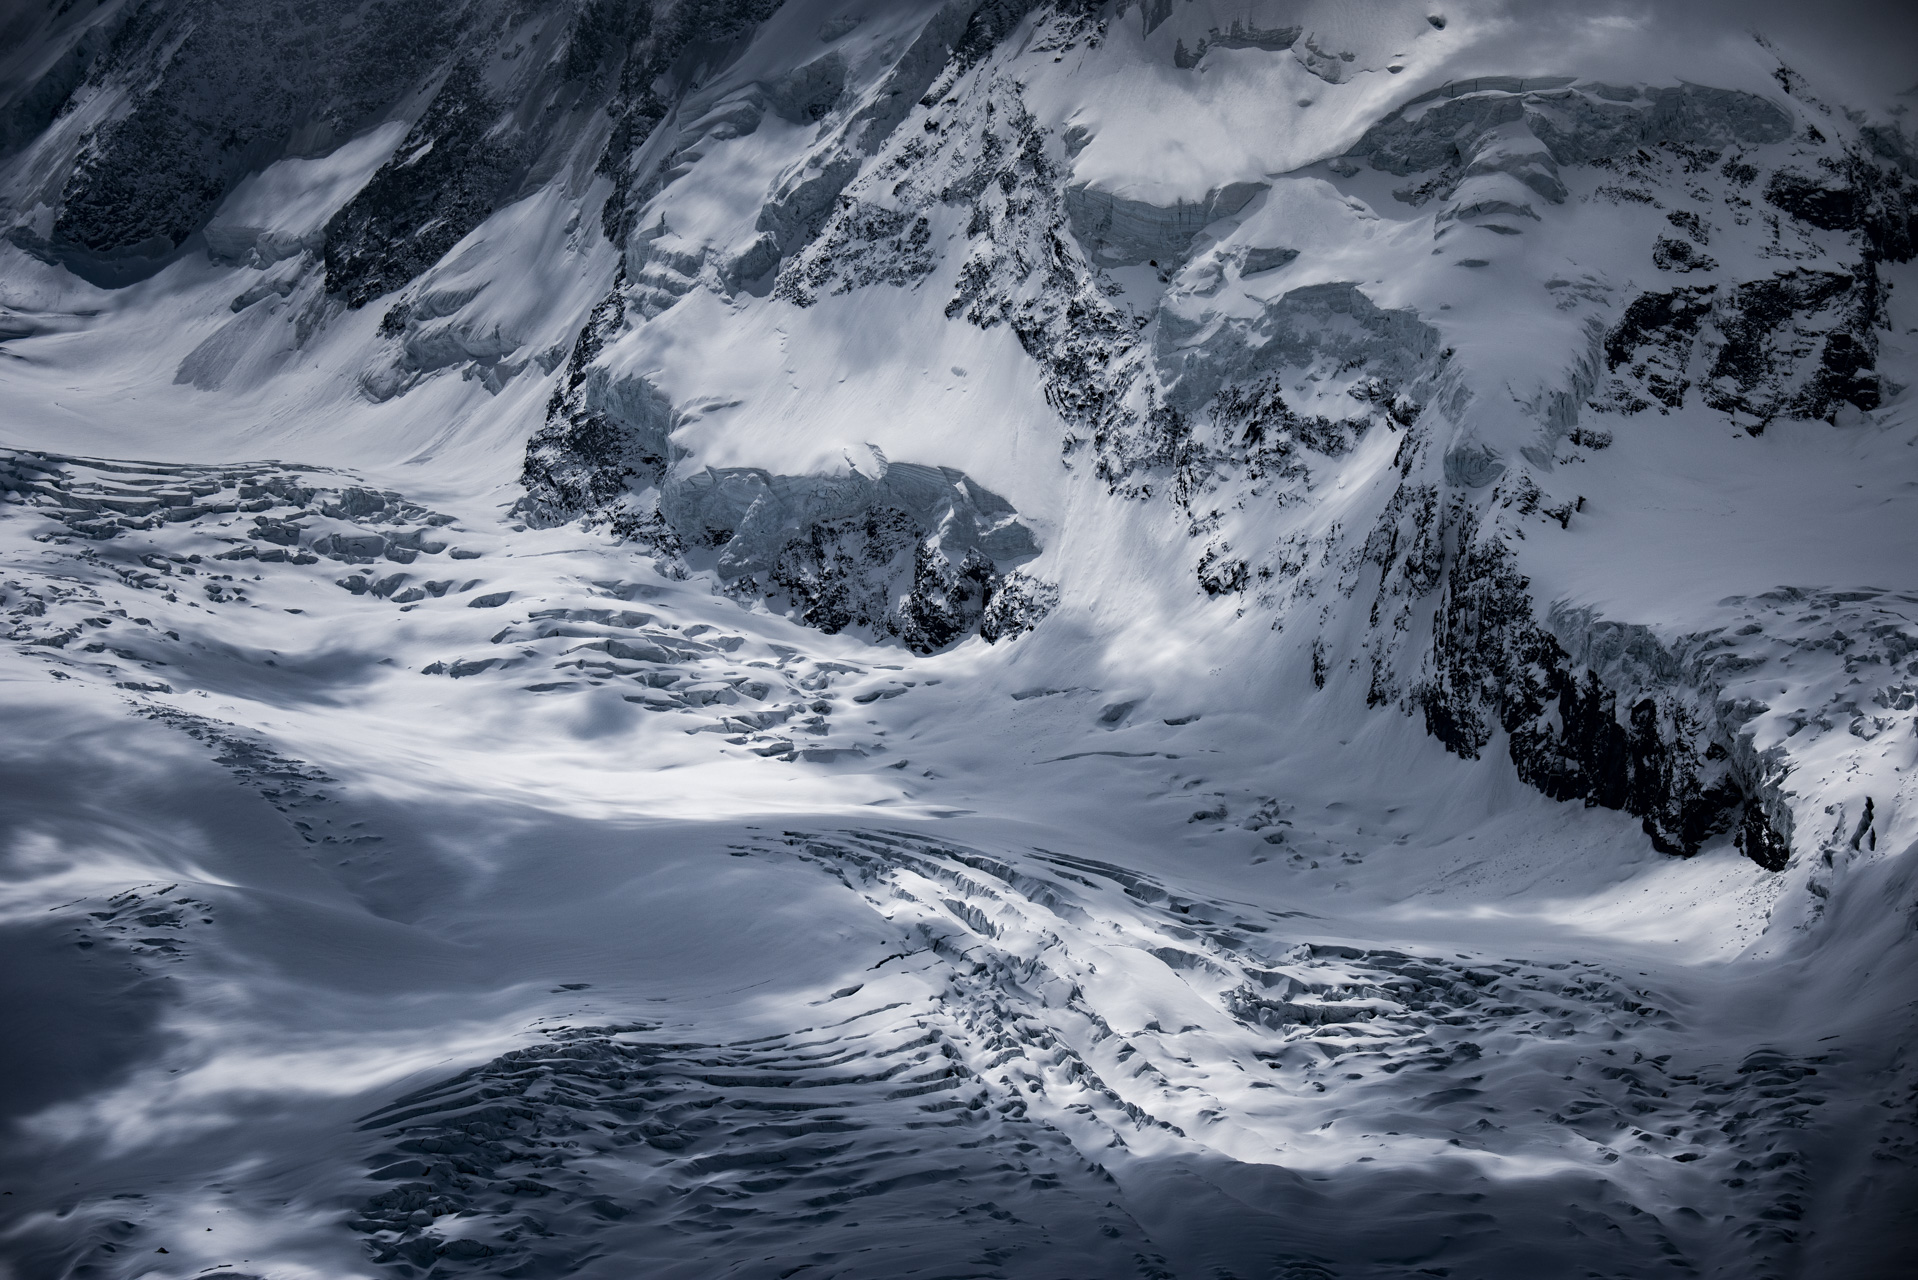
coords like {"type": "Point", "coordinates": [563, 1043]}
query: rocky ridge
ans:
{"type": "Point", "coordinates": [1227, 412]}
{"type": "Point", "coordinates": [1224, 386]}
{"type": "Point", "coordinates": [574, 828]}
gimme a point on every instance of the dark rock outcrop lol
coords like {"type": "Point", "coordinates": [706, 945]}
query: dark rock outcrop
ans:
{"type": "Point", "coordinates": [581, 460]}
{"type": "Point", "coordinates": [911, 551]}
{"type": "Point", "coordinates": [1741, 347]}
{"type": "Point", "coordinates": [212, 90]}
{"type": "Point", "coordinates": [1020, 604]}
{"type": "Point", "coordinates": [646, 43]}
{"type": "Point", "coordinates": [914, 552]}
{"type": "Point", "coordinates": [1647, 744]}
{"type": "Point", "coordinates": [446, 178]}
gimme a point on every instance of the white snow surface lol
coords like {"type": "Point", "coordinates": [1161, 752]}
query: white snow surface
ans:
{"type": "Point", "coordinates": [545, 912]}
{"type": "Point", "coordinates": [282, 210]}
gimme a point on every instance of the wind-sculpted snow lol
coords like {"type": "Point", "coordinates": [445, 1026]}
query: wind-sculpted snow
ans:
{"type": "Point", "coordinates": [1463, 123]}
{"type": "Point", "coordinates": [1199, 638]}
{"type": "Point", "coordinates": [1040, 1062]}
{"type": "Point", "coordinates": [761, 1154]}
{"type": "Point", "coordinates": [167, 530]}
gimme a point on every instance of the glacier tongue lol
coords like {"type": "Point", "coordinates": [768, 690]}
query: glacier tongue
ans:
{"type": "Point", "coordinates": [955, 637]}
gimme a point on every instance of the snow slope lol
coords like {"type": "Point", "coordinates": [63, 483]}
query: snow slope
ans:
{"type": "Point", "coordinates": [1188, 638]}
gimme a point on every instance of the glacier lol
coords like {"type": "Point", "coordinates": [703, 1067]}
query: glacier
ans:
{"type": "Point", "coordinates": [957, 638]}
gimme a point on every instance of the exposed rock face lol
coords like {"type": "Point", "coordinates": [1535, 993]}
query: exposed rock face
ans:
{"type": "Point", "coordinates": [168, 106]}
{"type": "Point", "coordinates": [1255, 378]}
{"type": "Point", "coordinates": [1219, 400]}
{"type": "Point", "coordinates": [1611, 714]}
{"type": "Point", "coordinates": [911, 551]}
{"type": "Point", "coordinates": [1494, 146]}
{"type": "Point", "coordinates": [582, 459]}
{"type": "Point", "coordinates": [644, 43]}
{"type": "Point", "coordinates": [1743, 348]}
{"type": "Point", "coordinates": [1589, 709]}
{"type": "Point", "coordinates": [1491, 436]}
{"type": "Point", "coordinates": [1864, 191]}
{"type": "Point", "coordinates": [1633, 740]}
{"type": "Point", "coordinates": [1020, 604]}
{"type": "Point", "coordinates": [1239, 35]}
{"type": "Point", "coordinates": [446, 177]}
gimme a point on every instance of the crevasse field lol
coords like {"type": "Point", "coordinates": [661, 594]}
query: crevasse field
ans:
{"type": "Point", "coordinates": [1216, 639]}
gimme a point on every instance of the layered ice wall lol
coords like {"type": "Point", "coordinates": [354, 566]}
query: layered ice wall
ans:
{"type": "Point", "coordinates": [1202, 637]}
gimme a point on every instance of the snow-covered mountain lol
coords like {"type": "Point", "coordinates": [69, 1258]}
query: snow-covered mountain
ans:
{"type": "Point", "coordinates": [1201, 638]}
